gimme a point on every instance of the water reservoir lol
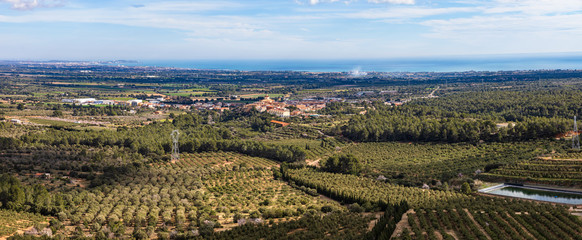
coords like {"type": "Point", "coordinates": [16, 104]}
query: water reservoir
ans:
{"type": "Point", "coordinates": [548, 195]}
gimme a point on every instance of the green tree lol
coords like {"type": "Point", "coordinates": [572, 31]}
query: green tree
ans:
{"type": "Point", "coordinates": [236, 217]}
{"type": "Point", "coordinates": [342, 164]}
{"type": "Point", "coordinates": [12, 194]}
{"type": "Point", "coordinates": [466, 188]}
{"type": "Point", "coordinates": [57, 113]}
{"type": "Point", "coordinates": [139, 234]}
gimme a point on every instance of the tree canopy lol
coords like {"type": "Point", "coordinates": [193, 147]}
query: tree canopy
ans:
{"type": "Point", "coordinates": [345, 163]}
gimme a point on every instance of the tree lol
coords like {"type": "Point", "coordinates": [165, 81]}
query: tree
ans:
{"type": "Point", "coordinates": [57, 113]}
{"type": "Point", "coordinates": [207, 228]}
{"type": "Point", "coordinates": [139, 234]}
{"type": "Point", "coordinates": [12, 194]}
{"type": "Point", "coordinates": [326, 209]}
{"type": "Point", "coordinates": [236, 217]}
{"type": "Point", "coordinates": [342, 164]}
{"type": "Point", "coordinates": [255, 214]}
{"type": "Point", "coordinates": [356, 208]}
{"type": "Point", "coordinates": [20, 106]}
{"type": "Point", "coordinates": [9, 143]}
{"type": "Point", "coordinates": [466, 188]}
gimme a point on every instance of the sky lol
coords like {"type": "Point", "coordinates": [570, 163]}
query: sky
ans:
{"type": "Point", "coordinates": [285, 29]}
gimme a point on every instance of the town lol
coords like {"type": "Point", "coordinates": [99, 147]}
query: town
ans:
{"type": "Point", "coordinates": [286, 108]}
{"type": "Point", "coordinates": [92, 151]}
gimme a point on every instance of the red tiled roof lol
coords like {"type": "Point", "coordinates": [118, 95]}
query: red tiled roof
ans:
{"type": "Point", "coordinates": [284, 124]}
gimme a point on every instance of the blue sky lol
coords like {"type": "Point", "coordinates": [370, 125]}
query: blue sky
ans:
{"type": "Point", "coordinates": [285, 29]}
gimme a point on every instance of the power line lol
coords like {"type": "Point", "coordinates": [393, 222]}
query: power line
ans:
{"type": "Point", "coordinates": [175, 147]}
{"type": "Point", "coordinates": [575, 136]}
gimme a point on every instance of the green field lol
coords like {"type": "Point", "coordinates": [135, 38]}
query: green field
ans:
{"type": "Point", "coordinates": [197, 90]}
{"type": "Point", "coordinates": [448, 214]}
{"type": "Point", "coordinates": [395, 172]}
{"type": "Point", "coordinates": [204, 186]}
{"type": "Point", "coordinates": [540, 170]}
{"type": "Point", "coordinates": [422, 162]}
{"type": "Point", "coordinates": [316, 149]}
{"type": "Point", "coordinates": [11, 221]}
{"type": "Point", "coordinates": [186, 94]}
{"type": "Point", "coordinates": [485, 218]}
{"type": "Point", "coordinates": [221, 160]}
{"type": "Point", "coordinates": [55, 123]}
{"type": "Point", "coordinates": [258, 95]}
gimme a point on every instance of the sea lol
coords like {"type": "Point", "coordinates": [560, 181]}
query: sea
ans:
{"type": "Point", "coordinates": [449, 64]}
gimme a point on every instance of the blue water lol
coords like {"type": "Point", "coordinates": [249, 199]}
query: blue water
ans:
{"type": "Point", "coordinates": [542, 195]}
{"type": "Point", "coordinates": [388, 65]}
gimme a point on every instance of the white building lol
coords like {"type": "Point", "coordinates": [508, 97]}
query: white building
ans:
{"type": "Point", "coordinates": [84, 100]}
{"type": "Point", "coordinates": [135, 102]}
{"type": "Point", "coordinates": [280, 112]}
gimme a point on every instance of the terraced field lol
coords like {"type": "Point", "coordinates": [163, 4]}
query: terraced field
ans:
{"type": "Point", "coordinates": [447, 214]}
{"type": "Point", "coordinates": [11, 221]}
{"type": "Point", "coordinates": [573, 155]}
{"type": "Point", "coordinates": [220, 187]}
{"type": "Point", "coordinates": [421, 162]}
{"type": "Point", "coordinates": [540, 170]}
{"type": "Point", "coordinates": [350, 189]}
{"type": "Point", "coordinates": [316, 149]}
{"type": "Point", "coordinates": [486, 219]}
{"type": "Point", "coordinates": [219, 160]}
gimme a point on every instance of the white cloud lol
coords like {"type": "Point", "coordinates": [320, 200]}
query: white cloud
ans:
{"type": "Point", "coordinates": [534, 7]}
{"type": "Point", "coordinates": [494, 25]}
{"type": "Point", "coordinates": [512, 26]}
{"type": "Point", "coordinates": [178, 6]}
{"type": "Point", "coordinates": [192, 24]}
{"type": "Point", "coordinates": [512, 17]}
{"type": "Point", "coordinates": [314, 2]}
{"type": "Point", "coordinates": [212, 29]}
{"type": "Point", "coordinates": [31, 4]}
{"type": "Point", "coordinates": [407, 12]}
{"type": "Point", "coordinates": [410, 2]}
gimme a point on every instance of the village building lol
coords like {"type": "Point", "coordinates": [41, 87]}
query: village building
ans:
{"type": "Point", "coordinates": [282, 124]}
{"type": "Point", "coordinates": [280, 112]}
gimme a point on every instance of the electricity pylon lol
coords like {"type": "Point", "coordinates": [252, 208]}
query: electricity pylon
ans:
{"type": "Point", "coordinates": [175, 147]}
{"type": "Point", "coordinates": [575, 136]}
